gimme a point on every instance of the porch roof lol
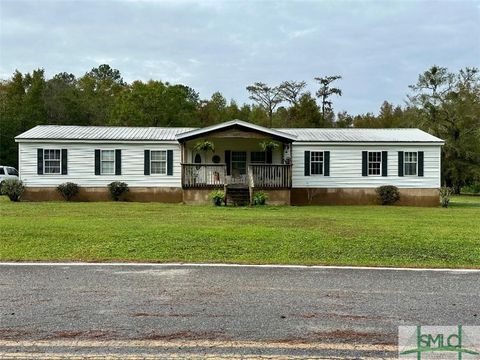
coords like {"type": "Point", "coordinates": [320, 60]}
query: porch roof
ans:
{"type": "Point", "coordinates": [235, 124]}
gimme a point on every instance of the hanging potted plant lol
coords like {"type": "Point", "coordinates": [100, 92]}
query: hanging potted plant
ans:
{"type": "Point", "coordinates": [269, 145]}
{"type": "Point", "coordinates": [204, 146]}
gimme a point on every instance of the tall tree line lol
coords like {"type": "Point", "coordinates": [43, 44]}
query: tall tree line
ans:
{"type": "Point", "coordinates": [442, 103]}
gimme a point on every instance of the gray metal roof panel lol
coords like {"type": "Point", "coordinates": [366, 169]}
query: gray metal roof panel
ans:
{"type": "Point", "coordinates": [362, 135]}
{"type": "Point", "coordinates": [66, 132]}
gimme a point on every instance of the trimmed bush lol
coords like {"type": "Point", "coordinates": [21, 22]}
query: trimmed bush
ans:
{"type": "Point", "coordinates": [445, 194]}
{"type": "Point", "coordinates": [260, 198]}
{"type": "Point", "coordinates": [388, 194]}
{"type": "Point", "coordinates": [217, 197]}
{"type": "Point", "coordinates": [13, 188]}
{"type": "Point", "coordinates": [68, 190]}
{"type": "Point", "coordinates": [117, 189]}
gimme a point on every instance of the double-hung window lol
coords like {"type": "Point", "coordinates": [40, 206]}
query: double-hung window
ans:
{"type": "Point", "coordinates": [374, 163]}
{"type": "Point", "coordinates": [158, 162]}
{"type": "Point", "coordinates": [258, 157]}
{"type": "Point", "coordinates": [52, 161]}
{"type": "Point", "coordinates": [316, 162]}
{"type": "Point", "coordinates": [410, 163]}
{"type": "Point", "coordinates": [107, 161]}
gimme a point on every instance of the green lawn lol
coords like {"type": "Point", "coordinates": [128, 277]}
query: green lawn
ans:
{"type": "Point", "coordinates": [332, 235]}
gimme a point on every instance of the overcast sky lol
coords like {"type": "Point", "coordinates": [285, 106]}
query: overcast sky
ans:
{"type": "Point", "coordinates": [379, 47]}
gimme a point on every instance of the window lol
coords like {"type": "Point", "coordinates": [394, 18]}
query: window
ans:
{"type": "Point", "coordinates": [258, 157]}
{"type": "Point", "coordinates": [12, 171]}
{"type": "Point", "coordinates": [2, 172]}
{"type": "Point", "coordinates": [107, 161]}
{"type": "Point", "coordinates": [374, 163]}
{"type": "Point", "coordinates": [158, 162]}
{"type": "Point", "coordinates": [410, 163]}
{"type": "Point", "coordinates": [51, 161]}
{"type": "Point", "coordinates": [316, 162]}
{"type": "Point", "coordinates": [239, 163]}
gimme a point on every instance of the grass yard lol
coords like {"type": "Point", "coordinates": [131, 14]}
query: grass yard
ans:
{"type": "Point", "coordinates": [331, 235]}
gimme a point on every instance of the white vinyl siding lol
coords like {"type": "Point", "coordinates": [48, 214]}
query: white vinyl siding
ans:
{"type": "Point", "coordinates": [346, 167]}
{"type": "Point", "coordinates": [158, 162]}
{"type": "Point", "coordinates": [52, 160]}
{"type": "Point", "coordinates": [81, 165]}
{"type": "Point", "coordinates": [410, 163]}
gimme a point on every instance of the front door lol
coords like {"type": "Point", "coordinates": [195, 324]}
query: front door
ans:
{"type": "Point", "coordinates": [239, 167]}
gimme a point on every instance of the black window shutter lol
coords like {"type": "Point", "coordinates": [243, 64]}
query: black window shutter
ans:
{"type": "Point", "coordinates": [326, 163]}
{"type": "Point", "coordinates": [118, 162]}
{"type": "Point", "coordinates": [97, 161]}
{"type": "Point", "coordinates": [306, 163]}
{"type": "Point", "coordinates": [384, 163]}
{"type": "Point", "coordinates": [269, 156]}
{"type": "Point", "coordinates": [169, 162]}
{"type": "Point", "coordinates": [400, 163]}
{"type": "Point", "coordinates": [227, 160]}
{"type": "Point", "coordinates": [40, 161]}
{"type": "Point", "coordinates": [64, 162]}
{"type": "Point", "coordinates": [146, 162]}
{"type": "Point", "coordinates": [420, 163]}
{"type": "Point", "coordinates": [364, 163]}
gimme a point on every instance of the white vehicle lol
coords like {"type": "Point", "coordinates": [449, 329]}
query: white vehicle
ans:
{"type": "Point", "coordinates": [7, 172]}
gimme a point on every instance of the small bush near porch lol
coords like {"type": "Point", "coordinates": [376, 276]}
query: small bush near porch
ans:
{"type": "Point", "coordinates": [332, 235]}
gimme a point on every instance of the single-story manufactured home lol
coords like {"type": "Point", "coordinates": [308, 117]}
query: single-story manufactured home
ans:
{"type": "Point", "coordinates": [295, 166]}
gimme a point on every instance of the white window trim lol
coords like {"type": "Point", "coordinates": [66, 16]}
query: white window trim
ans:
{"type": "Point", "coordinates": [405, 164]}
{"type": "Point", "coordinates": [323, 163]}
{"type": "Point", "coordinates": [166, 162]}
{"type": "Point", "coordinates": [114, 161]}
{"type": "Point", "coordinates": [44, 167]}
{"type": "Point", "coordinates": [368, 162]}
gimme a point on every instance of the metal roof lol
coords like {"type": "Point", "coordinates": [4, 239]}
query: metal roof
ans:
{"type": "Point", "coordinates": [362, 135]}
{"type": "Point", "coordinates": [64, 132]}
{"type": "Point", "coordinates": [105, 133]}
{"type": "Point", "coordinates": [235, 123]}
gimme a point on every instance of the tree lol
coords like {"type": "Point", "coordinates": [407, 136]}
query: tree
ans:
{"type": "Point", "coordinates": [100, 87]}
{"type": "Point", "coordinates": [267, 97]}
{"type": "Point", "coordinates": [155, 104]}
{"type": "Point", "coordinates": [63, 101]}
{"type": "Point", "coordinates": [306, 113]}
{"type": "Point", "coordinates": [213, 111]}
{"type": "Point", "coordinates": [291, 91]}
{"type": "Point", "coordinates": [449, 106]}
{"type": "Point", "coordinates": [325, 92]}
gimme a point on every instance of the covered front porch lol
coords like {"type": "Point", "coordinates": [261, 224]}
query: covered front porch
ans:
{"type": "Point", "coordinates": [236, 154]}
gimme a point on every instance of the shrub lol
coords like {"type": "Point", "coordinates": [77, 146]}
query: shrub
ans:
{"type": "Point", "coordinates": [217, 197]}
{"type": "Point", "coordinates": [445, 194]}
{"type": "Point", "coordinates": [260, 198]}
{"type": "Point", "coordinates": [388, 194]}
{"type": "Point", "coordinates": [117, 189]}
{"type": "Point", "coordinates": [68, 190]}
{"type": "Point", "coordinates": [472, 189]}
{"type": "Point", "coordinates": [13, 188]}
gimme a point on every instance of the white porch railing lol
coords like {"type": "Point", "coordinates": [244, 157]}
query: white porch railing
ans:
{"type": "Point", "coordinates": [270, 176]}
{"type": "Point", "coordinates": [203, 175]}
{"type": "Point", "coordinates": [261, 176]}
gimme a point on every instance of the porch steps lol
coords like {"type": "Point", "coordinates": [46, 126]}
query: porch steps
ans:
{"type": "Point", "coordinates": [238, 195]}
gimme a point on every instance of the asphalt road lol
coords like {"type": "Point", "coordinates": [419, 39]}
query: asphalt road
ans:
{"type": "Point", "coordinates": [158, 311]}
